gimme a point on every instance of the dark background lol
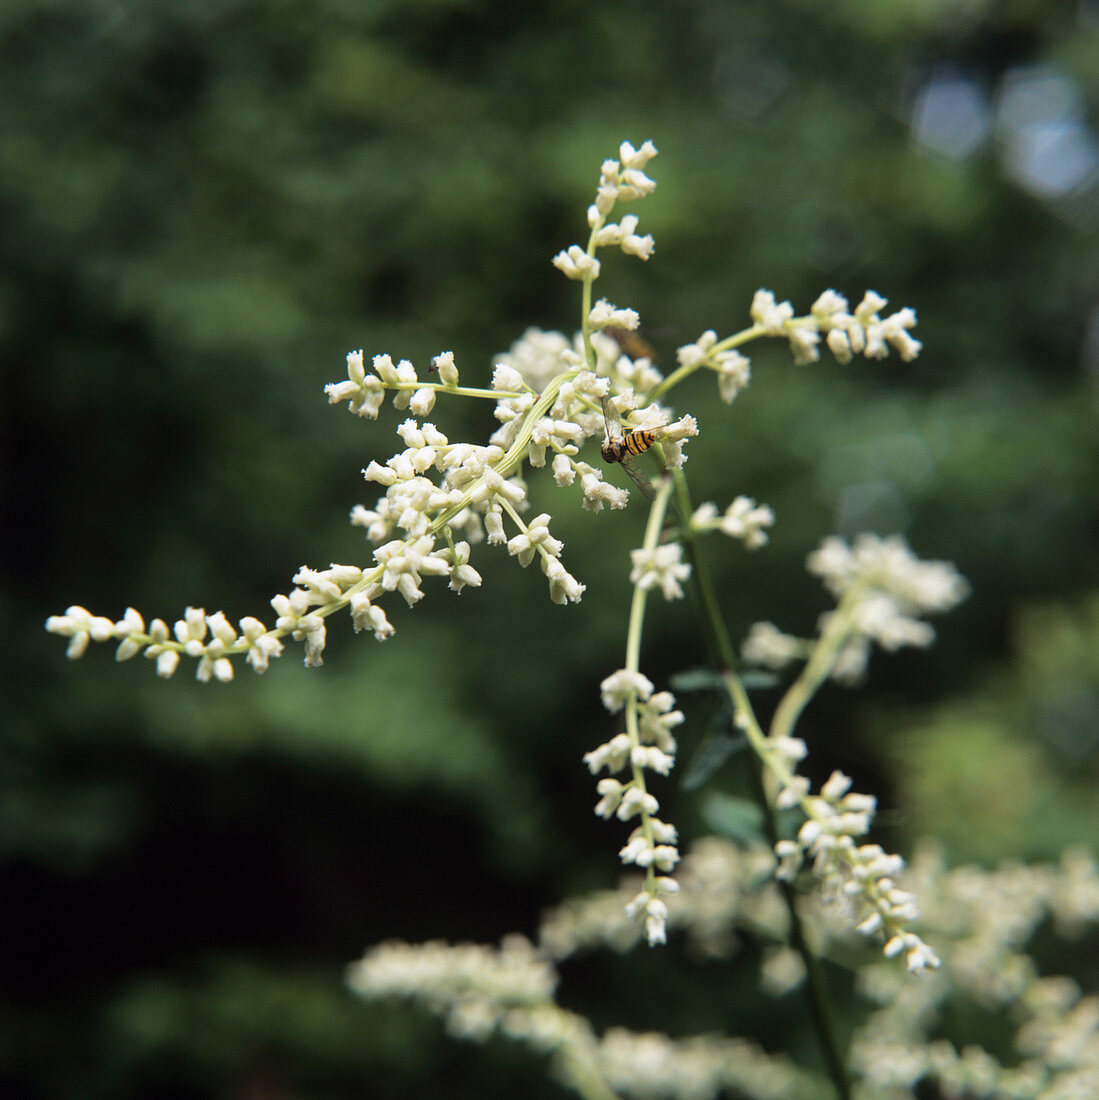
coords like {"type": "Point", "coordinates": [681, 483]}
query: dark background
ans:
{"type": "Point", "coordinates": [204, 206]}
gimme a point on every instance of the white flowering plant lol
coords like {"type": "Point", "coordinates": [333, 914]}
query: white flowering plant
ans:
{"type": "Point", "coordinates": [445, 505]}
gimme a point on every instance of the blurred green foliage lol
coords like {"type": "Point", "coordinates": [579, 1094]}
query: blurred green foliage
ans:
{"type": "Point", "coordinates": [206, 205]}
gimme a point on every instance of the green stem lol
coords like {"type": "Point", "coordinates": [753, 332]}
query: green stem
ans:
{"type": "Point", "coordinates": [680, 373]}
{"type": "Point", "coordinates": [819, 1008]}
{"type": "Point", "coordinates": [458, 391]}
{"type": "Point", "coordinates": [585, 1076]}
{"type": "Point", "coordinates": [818, 668]}
{"type": "Point", "coordinates": [633, 655]}
{"type": "Point", "coordinates": [723, 650]}
{"type": "Point", "coordinates": [511, 460]}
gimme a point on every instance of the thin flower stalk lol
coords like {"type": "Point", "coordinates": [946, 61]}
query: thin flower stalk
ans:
{"type": "Point", "coordinates": [646, 743]}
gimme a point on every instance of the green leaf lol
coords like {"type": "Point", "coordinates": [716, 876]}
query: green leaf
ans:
{"type": "Point", "coordinates": [739, 819]}
{"type": "Point", "coordinates": [756, 678]}
{"type": "Point", "coordinates": [697, 679]}
{"type": "Point", "coordinates": [721, 741]}
{"type": "Point", "coordinates": [708, 679]}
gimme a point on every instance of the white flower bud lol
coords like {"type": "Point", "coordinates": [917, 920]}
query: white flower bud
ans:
{"type": "Point", "coordinates": [575, 263]}
{"type": "Point", "coordinates": [166, 663]}
{"type": "Point", "coordinates": [356, 372]}
{"type": "Point", "coordinates": [422, 401]}
{"type": "Point", "coordinates": [448, 372]}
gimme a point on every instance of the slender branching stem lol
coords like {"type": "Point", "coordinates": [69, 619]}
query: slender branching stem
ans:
{"type": "Point", "coordinates": [746, 720]}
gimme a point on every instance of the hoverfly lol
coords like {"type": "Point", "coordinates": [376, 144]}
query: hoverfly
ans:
{"type": "Point", "coordinates": [622, 448]}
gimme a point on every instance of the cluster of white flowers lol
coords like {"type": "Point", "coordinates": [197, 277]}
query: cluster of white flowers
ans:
{"type": "Point", "coordinates": [722, 887]}
{"type": "Point", "coordinates": [660, 567]}
{"type": "Point", "coordinates": [604, 315]}
{"type": "Point", "coordinates": [734, 370]}
{"type": "Point", "coordinates": [472, 496]}
{"type": "Point", "coordinates": [647, 743]}
{"type": "Point", "coordinates": [703, 1067]}
{"type": "Point", "coordinates": [365, 393]}
{"type": "Point", "coordinates": [550, 393]}
{"type": "Point", "coordinates": [862, 874]}
{"type": "Point", "coordinates": [475, 981]}
{"type": "Point", "coordinates": [863, 332]}
{"type": "Point", "coordinates": [744, 519]}
{"type": "Point", "coordinates": [475, 489]}
{"type": "Point", "coordinates": [622, 180]}
{"type": "Point", "coordinates": [768, 647]}
{"type": "Point", "coordinates": [881, 588]}
{"type": "Point", "coordinates": [481, 991]}
{"type": "Point", "coordinates": [888, 565]}
{"type": "Point", "coordinates": [982, 920]}
{"type": "Point", "coordinates": [576, 414]}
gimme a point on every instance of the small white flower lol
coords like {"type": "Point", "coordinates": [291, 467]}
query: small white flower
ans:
{"type": "Point", "coordinates": [536, 538]}
{"type": "Point", "coordinates": [792, 793]}
{"type": "Point", "coordinates": [804, 339]}
{"type": "Point", "coordinates": [771, 315]}
{"type": "Point", "coordinates": [262, 645]}
{"type": "Point", "coordinates": [385, 369]}
{"type": "Point", "coordinates": [766, 645]}
{"type": "Point", "coordinates": [190, 631]}
{"type": "Point", "coordinates": [744, 519]}
{"type": "Point", "coordinates": [649, 756]}
{"type": "Point", "coordinates": [839, 344]}
{"type": "Point", "coordinates": [690, 355]}
{"type": "Point", "coordinates": [422, 401]}
{"type": "Point", "coordinates": [612, 754]}
{"type": "Point", "coordinates": [367, 616]}
{"type": "Point", "coordinates": [575, 263]}
{"type": "Point", "coordinates": [621, 685]}
{"type": "Point", "coordinates": [564, 470]}
{"type": "Point", "coordinates": [505, 378]}
{"type": "Point", "coordinates": [356, 372]}
{"type": "Point", "coordinates": [167, 661]}
{"type": "Point", "coordinates": [634, 245]}
{"type": "Point", "coordinates": [657, 719]}
{"type": "Point", "coordinates": [463, 574]}
{"type": "Point", "coordinates": [221, 628]}
{"type": "Point", "coordinates": [836, 786]}
{"type": "Point", "coordinates": [636, 158]}
{"type": "Point", "coordinates": [494, 526]}
{"type": "Point", "coordinates": [564, 587]}
{"type": "Point", "coordinates": [444, 364]}
{"type": "Point", "coordinates": [790, 749]}
{"type": "Point", "coordinates": [733, 374]}
{"type": "Point", "coordinates": [604, 314]}
{"type": "Point", "coordinates": [636, 801]}
{"type": "Point", "coordinates": [598, 492]}
{"type": "Point", "coordinates": [384, 475]}
{"type": "Point", "coordinates": [830, 310]}
{"type": "Point", "coordinates": [686, 427]}
{"type": "Point", "coordinates": [656, 921]}
{"type": "Point", "coordinates": [80, 625]}
{"type": "Point", "coordinates": [610, 792]}
{"type": "Point", "coordinates": [662, 566]}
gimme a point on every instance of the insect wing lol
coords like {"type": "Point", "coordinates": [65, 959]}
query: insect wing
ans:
{"type": "Point", "coordinates": [612, 421]}
{"type": "Point", "coordinates": [639, 479]}
{"type": "Point", "coordinates": [630, 343]}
